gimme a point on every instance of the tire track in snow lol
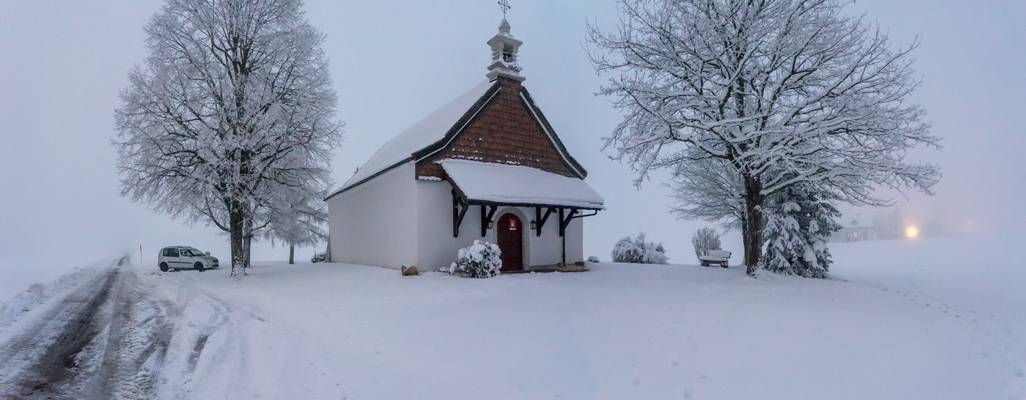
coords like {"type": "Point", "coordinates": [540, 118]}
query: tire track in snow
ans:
{"type": "Point", "coordinates": [137, 346]}
{"type": "Point", "coordinates": [105, 340]}
{"type": "Point", "coordinates": [207, 346]}
{"type": "Point", "coordinates": [42, 360]}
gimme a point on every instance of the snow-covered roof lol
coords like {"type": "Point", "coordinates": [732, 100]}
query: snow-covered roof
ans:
{"type": "Point", "coordinates": [517, 184]}
{"type": "Point", "coordinates": [425, 132]}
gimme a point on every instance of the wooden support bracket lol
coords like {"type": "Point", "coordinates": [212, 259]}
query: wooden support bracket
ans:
{"type": "Point", "coordinates": [564, 219]}
{"type": "Point", "coordinates": [487, 212]}
{"type": "Point", "coordinates": [459, 210]}
{"type": "Point", "coordinates": [539, 219]}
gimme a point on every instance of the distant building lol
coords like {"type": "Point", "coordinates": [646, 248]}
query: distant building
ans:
{"type": "Point", "coordinates": [857, 230]}
{"type": "Point", "coordinates": [486, 166]}
{"type": "Point", "coordinates": [855, 234]}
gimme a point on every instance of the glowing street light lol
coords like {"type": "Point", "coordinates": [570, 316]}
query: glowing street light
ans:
{"type": "Point", "coordinates": [911, 231]}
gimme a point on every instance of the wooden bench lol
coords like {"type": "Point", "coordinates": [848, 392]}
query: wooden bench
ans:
{"type": "Point", "coordinates": [715, 257]}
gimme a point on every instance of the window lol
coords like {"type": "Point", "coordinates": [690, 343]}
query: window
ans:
{"type": "Point", "coordinates": [507, 53]}
{"type": "Point", "coordinates": [170, 252]}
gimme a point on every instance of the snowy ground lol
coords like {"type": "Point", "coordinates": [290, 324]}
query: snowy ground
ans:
{"type": "Point", "coordinates": [900, 320]}
{"type": "Point", "coordinates": [19, 273]}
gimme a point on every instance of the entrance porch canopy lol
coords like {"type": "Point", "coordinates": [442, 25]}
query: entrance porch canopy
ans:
{"type": "Point", "coordinates": [490, 185]}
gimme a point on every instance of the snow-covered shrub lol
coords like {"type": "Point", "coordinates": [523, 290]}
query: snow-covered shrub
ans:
{"type": "Point", "coordinates": [705, 239]}
{"type": "Point", "coordinates": [593, 259]}
{"type": "Point", "coordinates": [479, 260]}
{"type": "Point", "coordinates": [637, 250]}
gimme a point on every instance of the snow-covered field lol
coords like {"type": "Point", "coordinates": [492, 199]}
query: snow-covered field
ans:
{"type": "Point", "coordinates": [18, 273]}
{"type": "Point", "coordinates": [899, 320]}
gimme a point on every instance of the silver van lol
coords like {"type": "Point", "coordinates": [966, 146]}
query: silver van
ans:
{"type": "Point", "coordinates": [185, 257]}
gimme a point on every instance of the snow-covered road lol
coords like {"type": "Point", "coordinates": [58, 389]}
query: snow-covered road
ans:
{"type": "Point", "coordinates": [109, 338]}
{"type": "Point", "coordinates": [100, 340]}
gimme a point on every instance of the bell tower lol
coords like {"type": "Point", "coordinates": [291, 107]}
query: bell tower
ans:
{"type": "Point", "coordinates": [504, 51]}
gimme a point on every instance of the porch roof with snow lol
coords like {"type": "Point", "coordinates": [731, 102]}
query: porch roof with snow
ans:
{"type": "Point", "coordinates": [491, 183]}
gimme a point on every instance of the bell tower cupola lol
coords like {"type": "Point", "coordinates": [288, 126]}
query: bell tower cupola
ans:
{"type": "Point", "coordinates": [504, 51]}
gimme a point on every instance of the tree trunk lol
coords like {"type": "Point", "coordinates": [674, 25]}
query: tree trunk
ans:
{"type": "Point", "coordinates": [753, 224]}
{"type": "Point", "coordinates": [292, 254]}
{"type": "Point", "coordinates": [248, 241]}
{"type": "Point", "coordinates": [327, 249]}
{"type": "Point", "coordinates": [235, 225]}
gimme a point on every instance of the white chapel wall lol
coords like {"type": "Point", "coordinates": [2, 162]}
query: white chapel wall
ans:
{"type": "Point", "coordinates": [547, 249]}
{"type": "Point", "coordinates": [436, 247]}
{"type": "Point", "coordinates": [376, 223]}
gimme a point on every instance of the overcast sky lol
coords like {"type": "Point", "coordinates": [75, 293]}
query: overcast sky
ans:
{"type": "Point", "coordinates": [62, 65]}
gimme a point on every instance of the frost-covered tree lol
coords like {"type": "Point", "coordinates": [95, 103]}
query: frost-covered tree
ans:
{"type": "Point", "coordinates": [705, 239]}
{"type": "Point", "coordinates": [781, 92]}
{"type": "Point", "coordinates": [298, 222]}
{"type": "Point", "coordinates": [231, 111]}
{"type": "Point", "coordinates": [708, 189]}
{"type": "Point", "coordinates": [638, 250]}
{"type": "Point", "coordinates": [799, 222]}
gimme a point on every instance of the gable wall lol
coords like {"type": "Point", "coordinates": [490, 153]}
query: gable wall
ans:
{"type": "Point", "coordinates": [375, 223]}
{"type": "Point", "coordinates": [504, 132]}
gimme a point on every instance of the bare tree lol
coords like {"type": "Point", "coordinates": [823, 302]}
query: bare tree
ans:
{"type": "Point", "coordinates": [779, 91]}
{"type": "Point", "coordinates": [231, 111]}
{"type": "Point", "coordinates": [298, 222]}
{"type": "Point", "coordinates": [705, 239]}
{"type": "Point", "coordinates": [708, 189]}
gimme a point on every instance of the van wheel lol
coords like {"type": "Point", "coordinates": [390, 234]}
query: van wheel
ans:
{"type": "Point", "coordinates": [198, 266]}
{"type": "Point", "coordinates": [163, 267]}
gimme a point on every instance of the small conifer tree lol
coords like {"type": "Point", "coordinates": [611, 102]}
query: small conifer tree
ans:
{"type": "Point", "coordinates": [799, 223]}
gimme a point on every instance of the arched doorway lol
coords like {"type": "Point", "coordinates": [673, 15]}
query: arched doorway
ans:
{"type": "Point", "coordinates": [510, 235]}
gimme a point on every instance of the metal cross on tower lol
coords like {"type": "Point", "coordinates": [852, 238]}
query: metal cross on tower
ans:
{"type": "Point", "coordinates": [504, 5]}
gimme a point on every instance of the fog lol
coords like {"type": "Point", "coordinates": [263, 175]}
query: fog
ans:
{"type": "Point", "coordinates": [63, 64]}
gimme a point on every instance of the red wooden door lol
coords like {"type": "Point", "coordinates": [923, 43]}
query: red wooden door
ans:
{"type": "Point", "coordinates": [511, 241]}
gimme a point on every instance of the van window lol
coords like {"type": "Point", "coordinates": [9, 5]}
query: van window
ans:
{"type": "Point", "coordinates": [170, 252]}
